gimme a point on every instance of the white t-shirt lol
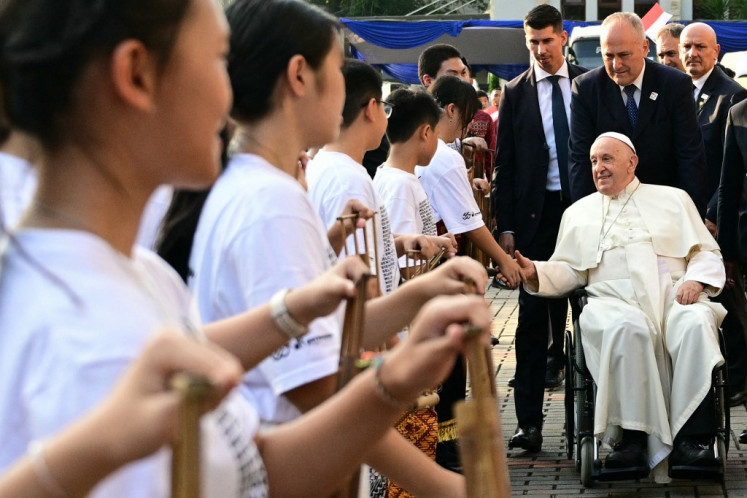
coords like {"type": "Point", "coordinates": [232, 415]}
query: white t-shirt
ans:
{"type": "Point", "coordinates": [17, 187]}
{"type": "Point", "coordinates": [258, 233]}
{"type": "Point", "coordinates": [18, 180]}
{"type": "Point", "coordinates": [409, 209]}
{"type": "Point", "coordinates": [446, 184]}
{"type": "Point", "coordinates": [155, 211]}
{"type": "Point", "coordinates": [406, 201]}
{"type": "Point", "coordinates": [74, 313]}
{"type": "Point", "coordinates": [334, 178]}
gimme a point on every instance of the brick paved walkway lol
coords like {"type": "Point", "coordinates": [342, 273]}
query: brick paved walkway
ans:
{"type": "Point", "coordinates": [549, 473]}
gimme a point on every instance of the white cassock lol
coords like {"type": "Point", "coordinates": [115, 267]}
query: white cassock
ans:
{"type": "Point", "coordinates": [651, 357]}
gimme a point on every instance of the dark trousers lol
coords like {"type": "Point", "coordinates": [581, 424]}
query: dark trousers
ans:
{"type": "Point", "coordinates": [453, 389]}
{"type": "Point", "coordinates": [537, 316]}
{"type": "Point", "coordinates": [735, 328]}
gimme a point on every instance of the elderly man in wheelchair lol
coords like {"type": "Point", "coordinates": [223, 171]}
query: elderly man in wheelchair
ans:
{"type": "Point", "coordinates": [650, 334]}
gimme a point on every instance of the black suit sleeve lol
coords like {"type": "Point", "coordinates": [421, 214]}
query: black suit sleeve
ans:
{"type": "Point", "coordinates": [730, 189]}
{"type": "Point", "coordinates": [689, 152]}
{"type": "Point", "coordinates": [583, 134]}
{"type": "Point", "coordinates": [502, 191]}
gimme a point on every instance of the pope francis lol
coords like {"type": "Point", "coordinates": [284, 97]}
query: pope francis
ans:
{"type": "Point", "coordinates": [649, 331]}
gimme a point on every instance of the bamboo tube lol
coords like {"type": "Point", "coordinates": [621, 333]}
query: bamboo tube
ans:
{"type": "Point", "coordinates": [352, 338]}
{"type": "Point", "coordinates": [185, 461]}
{"type": "Point", "coordinates": [479, 426]}
{"type": "Point", "coordinates": [342, 219]}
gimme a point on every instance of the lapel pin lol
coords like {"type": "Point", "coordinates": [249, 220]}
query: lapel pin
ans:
{"type": "Point", "coordinates": [653, 96]}
{"type": "Point", "coordinates": [704, 97]}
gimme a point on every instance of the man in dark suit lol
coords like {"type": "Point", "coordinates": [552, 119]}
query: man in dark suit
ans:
{"type": "Point", "coordinates": [714, 94]}
{"type": "Point", "coordinates": [731, 219]}
{"type": "Point", "coordinates": [650, 103]}
{"type": "Point", "coordinates": [530, 192]}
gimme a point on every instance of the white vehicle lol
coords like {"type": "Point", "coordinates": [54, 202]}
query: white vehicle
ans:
{"type": "Point", "coordinates": [737, 62]}
{"type": "Point", "coordinates": [584, 49]}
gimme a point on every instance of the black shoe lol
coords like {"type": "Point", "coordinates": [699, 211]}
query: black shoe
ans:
{"type": "Point", "coordinates": [512, 383]}
{"type": "Point", "coordinates": [529, 439]}
{"type": "Point", "coordinates": [553, 378]}
{"type": "Point", "coordinates": [628, 453]}
{"type": "Point", "coordinates": [688, 452]}
{"type": "Point", "coordinates": [743, 436]}
{"type": "Point", "coordinates": [494, 341]}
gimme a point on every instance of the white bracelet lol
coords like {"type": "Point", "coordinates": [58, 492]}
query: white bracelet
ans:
{"type": "Point", "coordinates": [39, 464]}
{"type": "Point", "coordinates": [282, 318]}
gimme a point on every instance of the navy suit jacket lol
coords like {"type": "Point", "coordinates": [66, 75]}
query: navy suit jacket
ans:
{"type": "Point", "coordinates": [667, 139]}
{"type": "Point", "coordinates": [731, 189]}
{"type": "Point", "coordinates": [722, 93]}
{"type": "Point", "coordinates": [522, 158]}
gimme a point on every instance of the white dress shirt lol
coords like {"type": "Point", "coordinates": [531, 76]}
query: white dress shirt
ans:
{"type": "Point", "coordinates": [700, 83]}
{"type": "Point", "coordinates": [544, 95]}
{"type": "Point", "coordinates": [638, 82]}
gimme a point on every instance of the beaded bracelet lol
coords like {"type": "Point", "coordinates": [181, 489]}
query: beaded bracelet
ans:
{"type": "Point", "coordinates": [39, 464]}
{"type": "Point", "coordinates": [383, 392]}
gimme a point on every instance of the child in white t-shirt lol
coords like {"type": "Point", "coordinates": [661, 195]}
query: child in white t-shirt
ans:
{"type": "Point", "coordinates": [412, 133]}
{"type": "Point", "coordinates": [336, 175]}
{"type": "Point", "coordinates": [78, 301]}
{"type": "Point", "coordinates": [445, 178]}
{"type": "Point", "coordinates": [259, 233]}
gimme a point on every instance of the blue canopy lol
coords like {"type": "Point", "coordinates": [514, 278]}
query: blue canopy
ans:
{"type": "Point", "coordinates": [403, 35]}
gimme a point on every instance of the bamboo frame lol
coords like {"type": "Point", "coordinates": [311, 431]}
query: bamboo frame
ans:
{"type": "Point", "coordinates": [352, 330]}
{"type": "Point", "coordinates": [475, 161]}
{"type": "Point", "coordinates": [185, 461]}
{"type": "Point", "coordinates": [479, 423]}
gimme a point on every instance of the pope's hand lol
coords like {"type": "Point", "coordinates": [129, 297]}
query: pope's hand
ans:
{"type": "Point", "coordinates": [528, 270]}
{"type": "Point", "coordinates": [689, 292]}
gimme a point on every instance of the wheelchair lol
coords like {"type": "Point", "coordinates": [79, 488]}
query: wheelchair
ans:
{"type": "Point", "coordinates": [580, 397]}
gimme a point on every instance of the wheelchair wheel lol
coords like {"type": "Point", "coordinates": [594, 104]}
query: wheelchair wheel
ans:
{"type": "Point", "coordinates": [587, 461]}
{"type": "Point", "coordinates": [570, 425]}
{"type": "Point", "coordinates": [583, 422]}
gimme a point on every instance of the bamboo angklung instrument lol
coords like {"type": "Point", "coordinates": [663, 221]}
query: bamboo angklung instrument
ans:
{"type": "Point", "coordinates": [479, 425]}
{"type": "Point", "coordinates": [469, 153]}
{"type": "Point", "coordinates": [475, 161]}
{"type": "Point", "coordinates": [434, 261]}
{"type": "Point", "coordinates": [483, 197]}
{"type": "Point", "coordinates": [185, 460]}
{"type": "Point", "coordinates": [352, 333]}
{"type": "Point", "coordinates": [412, 270]}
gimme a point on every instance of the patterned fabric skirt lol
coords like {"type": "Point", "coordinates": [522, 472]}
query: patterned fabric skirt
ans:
{"type": "Point", "coordinates": [420, 427]}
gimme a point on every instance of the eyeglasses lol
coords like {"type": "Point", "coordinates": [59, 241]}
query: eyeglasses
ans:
{"type": "Point", "coordinates": [388, 108]}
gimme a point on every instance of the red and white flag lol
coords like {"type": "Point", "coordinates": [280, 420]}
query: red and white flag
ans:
{"type": "Point", "coordinates": [654, 20]}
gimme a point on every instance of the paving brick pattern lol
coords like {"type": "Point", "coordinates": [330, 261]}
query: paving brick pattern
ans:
{"type": "Point", "coordinates": [550, 473]}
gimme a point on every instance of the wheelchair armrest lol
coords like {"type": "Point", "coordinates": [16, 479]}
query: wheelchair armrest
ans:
{"type": "Point", "coordinates": [578, 300]}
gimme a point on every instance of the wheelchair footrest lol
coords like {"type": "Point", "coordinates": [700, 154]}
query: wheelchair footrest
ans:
{"type": "Point", "coordinates": [694, 472]}
{"type": "Point", "coordinates": [601, 473]}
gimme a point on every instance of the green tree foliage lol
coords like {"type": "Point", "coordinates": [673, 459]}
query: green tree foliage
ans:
{"type": "Point", "coordinates": [720, 9]}
{"type": "Point", "coordinates": [353, 8]}
{"type": "Point", "coordinates": [493, 82]}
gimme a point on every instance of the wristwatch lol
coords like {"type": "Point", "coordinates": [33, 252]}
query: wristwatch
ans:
{"type": "Point", "coordinates": [282, 318]}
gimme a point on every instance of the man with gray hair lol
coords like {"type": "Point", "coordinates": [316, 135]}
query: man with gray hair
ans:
{"type": "Point", "coordinates": [668, 45]}
{"type": "Point", "coordinates": [649, 102]}
{"type": "Point", "coordinates": [649, 331]}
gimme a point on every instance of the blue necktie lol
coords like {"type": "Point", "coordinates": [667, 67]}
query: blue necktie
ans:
{"type": "Point", "coordinates": [631, 107]}
{"type": "Point", "coordinates": [562, 134]}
